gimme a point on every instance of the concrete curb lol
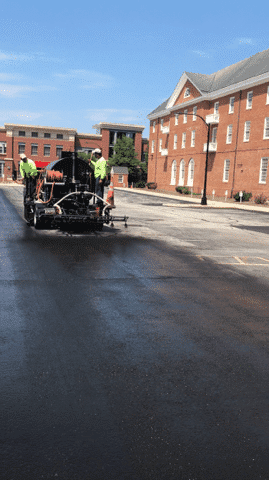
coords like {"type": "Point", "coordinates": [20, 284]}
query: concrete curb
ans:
{"type": "Point", "coordinates": [210, 203]}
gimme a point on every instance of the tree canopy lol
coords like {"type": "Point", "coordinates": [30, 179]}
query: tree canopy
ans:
{"type": "Point", "coordinates": [125, 155]}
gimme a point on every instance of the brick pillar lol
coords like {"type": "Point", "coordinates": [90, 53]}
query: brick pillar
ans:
{"type": "Point", "coordinates": [138, 144]}
{"type": "Point", "coordinates": [105, 143]}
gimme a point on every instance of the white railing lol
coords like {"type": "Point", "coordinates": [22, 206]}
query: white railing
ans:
{"type": "Point", "coordinates": [212, 147]}
{"type": "Point", "coordinates": [212, 118]}
{"type": "Point", "coordinates": [165, 129]}
{"type": "Point", "coordinates": [164, 152]}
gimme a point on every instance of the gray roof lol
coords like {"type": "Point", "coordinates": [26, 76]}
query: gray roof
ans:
{"type": "Point", "coordinates": [238, 72]}
{"type": "Point", "coordinates": [160, 107]}
{"type": "Point", "coordinates": [120, 170]}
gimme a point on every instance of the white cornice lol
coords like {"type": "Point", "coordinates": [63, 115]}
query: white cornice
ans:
{"type": "Point", "coordinates": [89, 135]}
{"type": "Point", "coordinates": [119, 126]}
{"type": "Point", "coordinates": [236, 87]}
{"type": "Point", "coordinates": [15, 126]}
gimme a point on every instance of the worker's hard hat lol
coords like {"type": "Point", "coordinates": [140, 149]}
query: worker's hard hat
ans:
{"type": "Point", "coordinates": [22, 156]}
{"type": "Point", "coordinates": [97, 150]}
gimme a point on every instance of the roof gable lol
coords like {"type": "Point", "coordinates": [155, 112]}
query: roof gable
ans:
{"type": "Point", "coordinates": [193, 93]}
{"type": "Point", "coordinates": [242, 71]}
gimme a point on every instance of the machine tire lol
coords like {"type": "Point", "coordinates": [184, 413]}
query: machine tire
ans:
{"type": "Point", "coordinates": [99, 227]}
{"type": "Point", "coordinates": [38, 223]}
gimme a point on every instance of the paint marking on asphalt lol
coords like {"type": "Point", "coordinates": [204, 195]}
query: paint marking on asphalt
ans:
{"type": "Point", "coordinates": [246, 260]}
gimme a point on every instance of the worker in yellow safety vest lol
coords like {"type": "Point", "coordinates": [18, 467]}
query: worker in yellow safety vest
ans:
{"type": "Point", "coordinates": [100, 173]}
{"type": "Point", "coordinates": [28, 171]}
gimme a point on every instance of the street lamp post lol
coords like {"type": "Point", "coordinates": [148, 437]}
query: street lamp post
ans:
{"type": "Point", "coordinates": [203, 199]}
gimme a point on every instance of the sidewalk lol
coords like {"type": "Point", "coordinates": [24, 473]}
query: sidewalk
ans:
{"type": "Point", "coordinates": [196, 202]}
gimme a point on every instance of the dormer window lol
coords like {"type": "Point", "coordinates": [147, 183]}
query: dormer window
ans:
{"type": "Point", "coordinates": [187, 93]}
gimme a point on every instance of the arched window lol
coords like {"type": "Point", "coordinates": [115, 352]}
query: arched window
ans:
{"type": "Point", "coordinates": [181, 173]}
{"type": "Point", "coordinates": [187, 92]}
{"type": "Point", "coordinates": [173, 172]}
{"type": "Point", "coordinates": [190, 172]}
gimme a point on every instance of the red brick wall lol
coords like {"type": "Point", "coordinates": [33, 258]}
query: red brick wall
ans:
{"type": "Point", "coordinates": [105, 143]}
{"type": "Point", "coordinates": [138, 144]}
{"type": "Point", "coordinates": [87, 142]}
{"type": "Point", "coordinates": [67, 146]}
{"type": "Point", "coordinates": [247, 154]}
{"type": "Point", "coordinates": [8, 170]}
{"type": "Point", "coordinates": [115, 180]}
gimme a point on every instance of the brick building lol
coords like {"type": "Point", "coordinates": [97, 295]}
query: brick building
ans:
{"type": "Point", "coordinates": [235, 102]}
{"type": "Point", "coordinates": [119, 176]}
{"type": "Point", "coordinates": [45, 144]}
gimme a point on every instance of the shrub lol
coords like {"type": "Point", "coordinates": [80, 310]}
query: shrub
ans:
{"type": "Point", "coordinates": [245, 198]}
{"type": "Point", "coordinates": [151, 185]}
{"type": "Point", "coordinates": [140, 184]}
{"type": "Point", "coordinates": [184, 190]}
{"type": "Point", "coordinates": [261, 199]}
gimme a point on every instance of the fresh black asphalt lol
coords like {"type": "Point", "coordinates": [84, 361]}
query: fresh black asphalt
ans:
{"type": "Point", "coordinates": [123, 358]}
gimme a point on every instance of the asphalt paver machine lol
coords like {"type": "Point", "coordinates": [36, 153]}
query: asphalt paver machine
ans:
{"type": "Point", "coordinates": [65, 197]}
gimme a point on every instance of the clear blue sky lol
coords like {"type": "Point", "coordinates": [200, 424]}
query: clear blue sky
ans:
{"type": "Point", "coordinates": [74, 64]}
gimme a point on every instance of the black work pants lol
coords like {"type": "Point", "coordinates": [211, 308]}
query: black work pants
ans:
{"type": "Point", "coordinates": [99, 190]}
{"type": "Point", "coordinates": [30, 186]}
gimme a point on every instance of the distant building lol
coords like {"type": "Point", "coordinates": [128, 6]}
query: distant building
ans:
{"type": "Point", "coordinates": [119, 176]}
{"type": "Point", "coordinates": [235, 102]}
{"type": "Point", "coordinates": [45, 144]}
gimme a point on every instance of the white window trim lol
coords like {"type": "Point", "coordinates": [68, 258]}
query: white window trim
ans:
{"type": "Point", "coordinates": [193, 138]}
{"type": "Point", "coordinates": [153, 127]}
{"type": "Point", "coordinates": [175, 141]}
{"type": "Point", "coordinates": [229, 134]}
{"type": "Point", "coordinates": [59, 147]}
{"type": "Point", "coordinates": [2, 165]}
{"type": "Point", "coordinates": [185, 116]}
{"type": "Point", "coordinates": [231, 107]}
{"type": "Point", "coordinates": [249, 105]}
{"type": "Point", "coordinates": [46, 146]}
{"type": "Point", "coordinates": [260, 174]}
{"type": "Point", "coordinates": [181, 177]}
{"type": "Point", "coordinates": [187, 93]}
{"type": "Point", "coordinates": [190, 180]}
{"type": "Point", "coordinates": [194, 117]}
{"type": "Point", "coordinates": [245, 131]}
{"type": "Point", "coordinates": [264, 128]}
{"type": "Point", "coordinates": [152, 146]}
{"type": "Point", "coordinates": [3, 145]}
{"type": "Point", "coordinates": [34, 145]}
{"type": "Point", "coordinates": [183, 142]}
{"type": "Point", "coordinates": [176, 119]}
{"type": "Point", "coordinates": [225, 170]}
{"type": "Point", "coordinates": [160, 144]}
{"type": "Point", "coordinates": [267, 96]}
{"type": "Point", "coordinates": [216, 110]}
{"type": "Point", "coordinates": [173, 172]}
{"type": "Point", "coordinates": [120, 178]}
{"type": "Point", "coordinates": [21, 144]}
{"type": "Point", "coordinates": [214, 135]}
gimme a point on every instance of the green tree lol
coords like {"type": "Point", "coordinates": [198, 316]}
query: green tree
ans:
{"type": "Point", "coordinates": [126, 156]}
{"type": "Point", "coordinates": [85, 156]}
{"type": "Point", "coordinates": [144, 166]}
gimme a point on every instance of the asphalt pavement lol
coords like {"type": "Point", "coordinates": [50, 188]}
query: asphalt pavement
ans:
{"type": "Point", "coordinates": [129, 353]}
